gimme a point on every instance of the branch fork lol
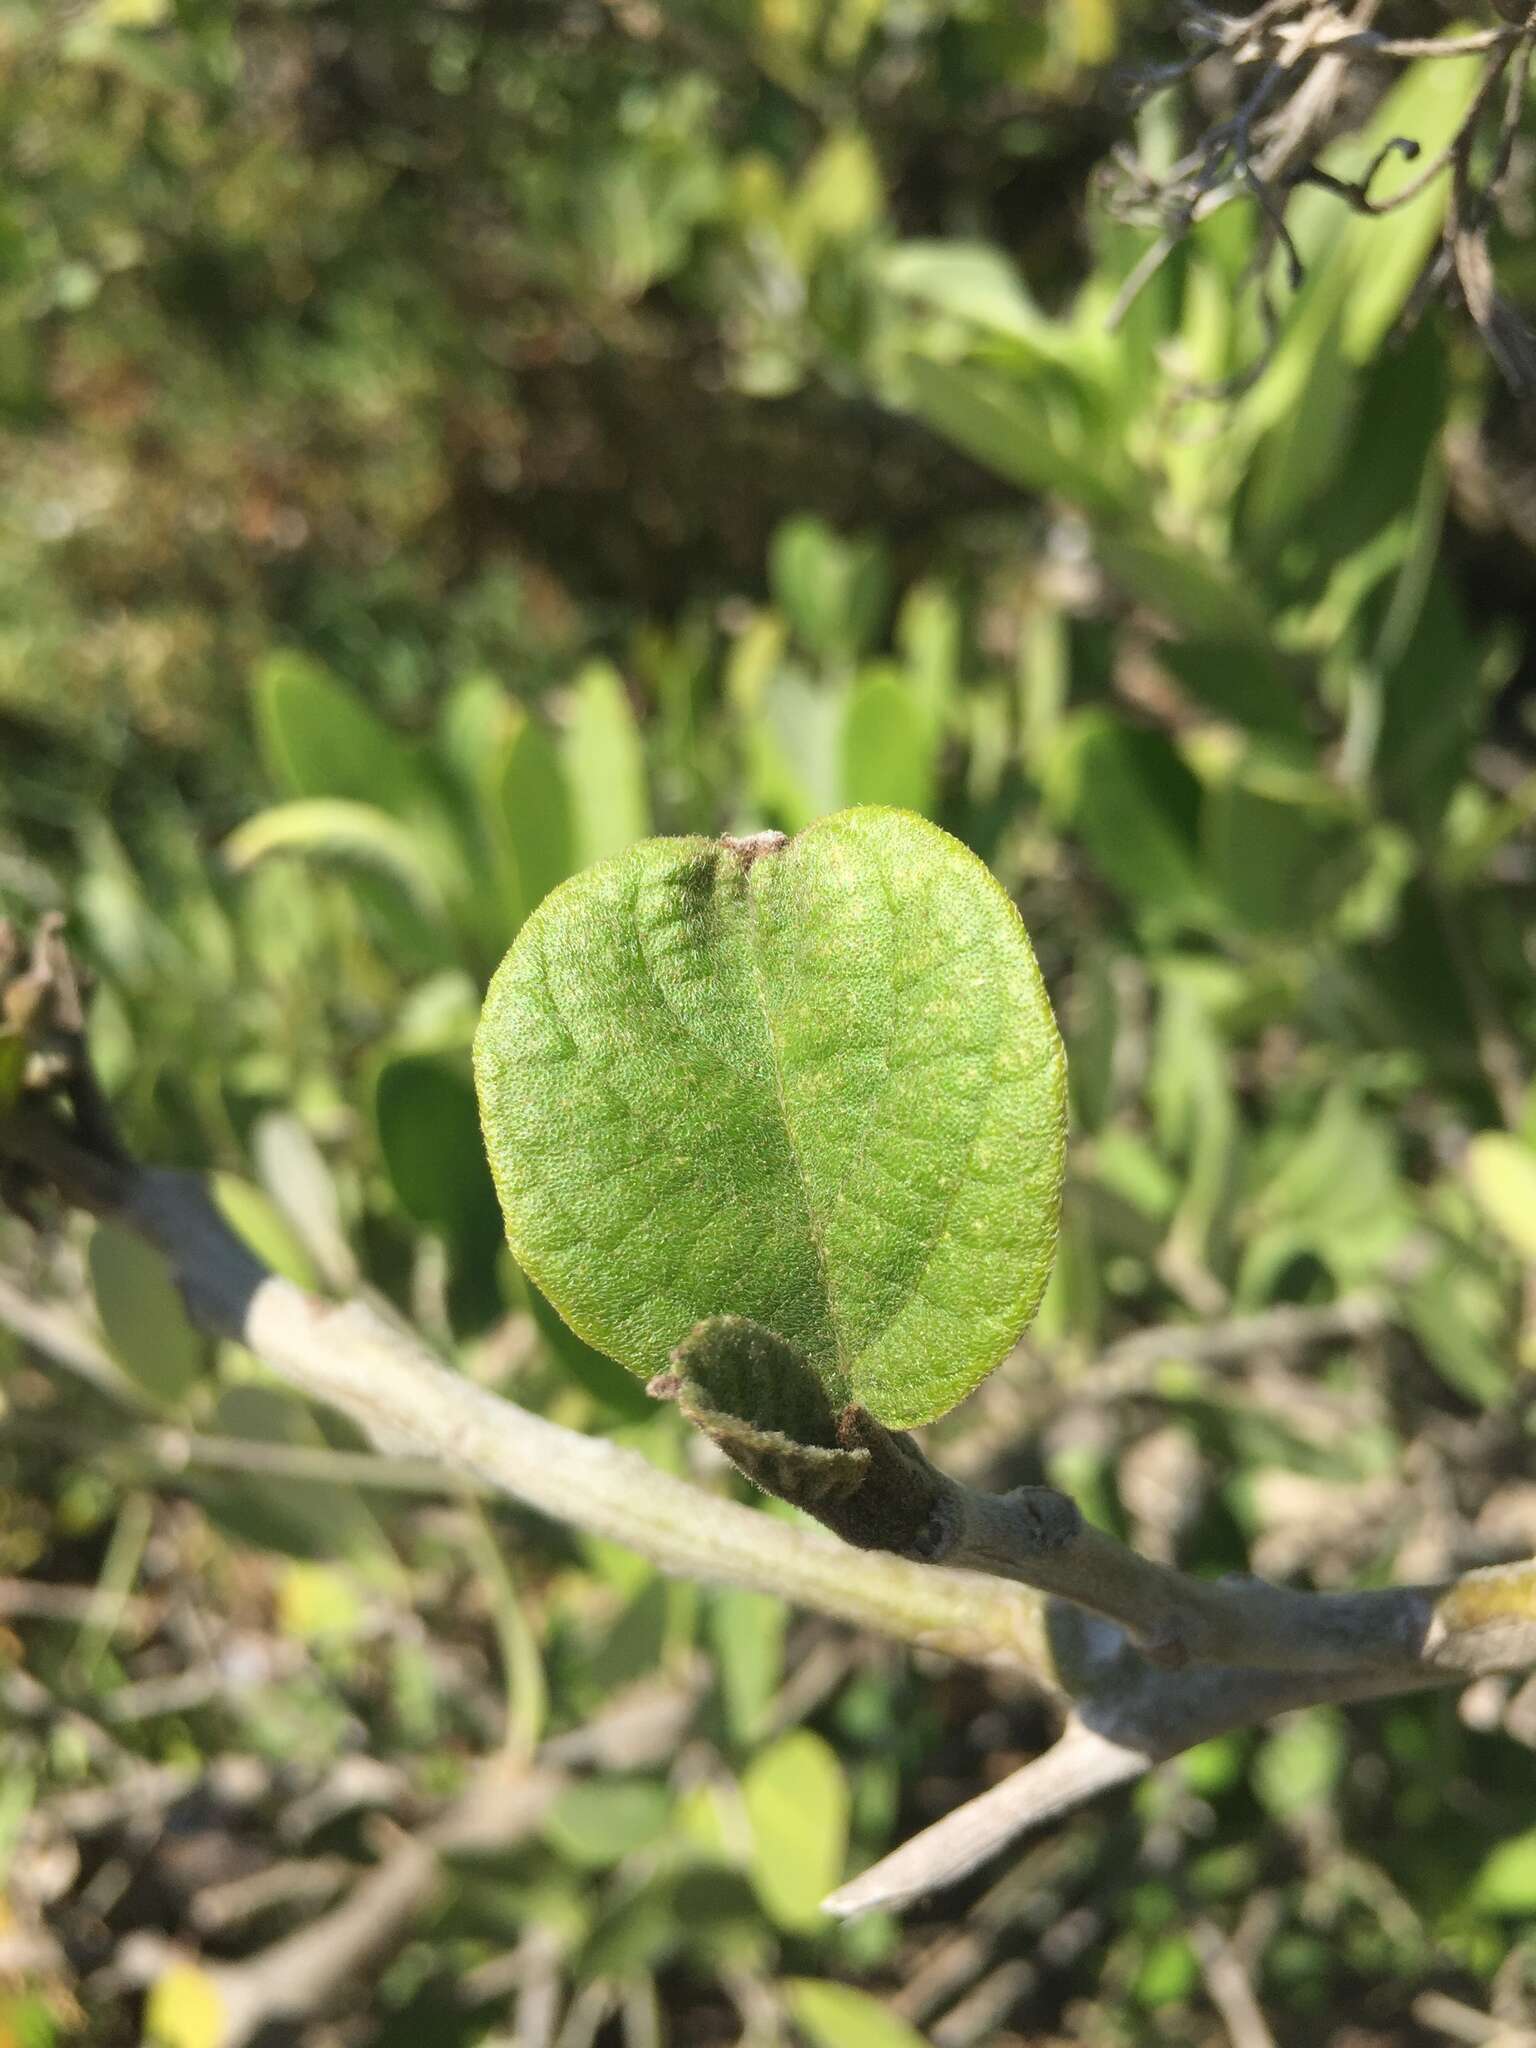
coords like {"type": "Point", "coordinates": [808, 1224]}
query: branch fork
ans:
{"type": "Point", "coordinates": [1144, 1661]}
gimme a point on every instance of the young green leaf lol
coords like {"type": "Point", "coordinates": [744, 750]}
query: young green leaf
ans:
{"type": "Point", "coordinates": [796, 1797]}
{"type": "Point", "coordinates": [815, 1083]}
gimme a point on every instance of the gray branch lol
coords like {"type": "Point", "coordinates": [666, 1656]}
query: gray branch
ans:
{"type": "Point", "coordinates": [1222, 1654]}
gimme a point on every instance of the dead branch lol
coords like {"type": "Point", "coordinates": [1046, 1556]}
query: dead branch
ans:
{"type": "Point", "coordinates": [1290, 64]}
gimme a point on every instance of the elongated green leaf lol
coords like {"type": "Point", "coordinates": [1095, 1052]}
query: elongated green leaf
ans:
{"type": "Point", "coordinates": [841, 2016]}
{"type": "Point", "coordinates": [1501, 1172]}
{"type": "Point", "coordinates": [320, 741]}
{"type": "Point", "coordinates": [1207, 597]}
{"type": "Point", "coordinates": [337, 828]}
{"type": "Point", "coordinates": [792, 746]}
{"type": "Point", "coordinates": [533, 804]}
{"type": "Point", "coordinates": [252, 1214]}
{"type": "Point", "coordinates": [889, 745]}
{"type": "Point", "coordinates": [797, 1801]}
{"type": "Point", "coordinates": [1279, 848]}
{"type": "Point", "coordinates": [747, 1631]}
{"type": "Point", "coordinates": [306, 1518]}
{"type": "Point", "coordinates": [974, 282]}
{"type": "Point", "coordinates": [425, 1110]}
{"type": "Point", "coordinates": [1034, 437]}
{"type": "Point", "coordinates": [834, 591]}
{"type": "Point", "coordinates": [607, 767]}
{"type": "Point", "coordinates": [294, 1173]}
{"type": "Point", "coordinates": [816, 1083]}
{"type": "Point", "coordinates": [1135, 803]}
{"type": "Point", "coordinates": [142, 1314]}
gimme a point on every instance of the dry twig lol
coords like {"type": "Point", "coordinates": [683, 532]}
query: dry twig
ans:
{"type": "Point", "coordinates": [1290, 62]}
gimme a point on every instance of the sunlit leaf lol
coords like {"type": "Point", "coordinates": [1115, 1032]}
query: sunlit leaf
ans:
{"type": "Point", "coordinates": [819, 1087]}
{"type": "Point", "coordinates": [841, 2016]}
{"type": "Point", "coordinates": [610, 805]}
{"type": "Point", "coordinates": [797, 1803]}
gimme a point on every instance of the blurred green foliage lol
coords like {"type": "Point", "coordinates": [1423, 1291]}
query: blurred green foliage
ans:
{"type": "Point", "coordinates": [444, 444]}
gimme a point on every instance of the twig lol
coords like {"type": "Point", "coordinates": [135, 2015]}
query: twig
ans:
{"type": "Point", "coordinates": [1302, 51]}
{"type": "Point", "coordinates": [1482, 1621]}
{"type": "Point", "coordinates": [1267, 1648]}
{"type": "Point", "coordinates": [1076, 1768]}
{"type": "Point", "coordinates": [302, 1879]}
{"type": "Point", "coordinates": [1230, 1986]}
{"type": "Point", "coordinates": [982, 2011]}
{"type": "Point", "coordinates": [51, 1329]}
{"type": "Point", "coordinates": [95, 1607]}
{"type": "Point", "coordinates": [300, 1974]}
{"type": "Point", "coordinates": [1132, 1717]}
{"type": "Point", "coordinates": [350, 1357]}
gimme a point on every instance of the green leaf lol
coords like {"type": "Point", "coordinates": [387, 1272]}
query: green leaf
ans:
{"type": "Point", "coordinates": [294, 1173]}
{"type": "Point", "coordinates": [314, 1519]}
{"type": "Point", "coordinates": [747, 1633]}
{"type": "Point", "coordinates": [888, 745]}
{"type": "Point", "coordinates": [337, 828]}
{"type": "Point", "coordinates": [533, 806]}
{"type": "Point", "coordinates": [1297, 459]}
{"type": "Point", "coordinates": [1279, 848]}
{"type": "Point", "coordinates": [1430, 707]}
{"type": "Point", "coordinates": [424, 1107]}
{"type": "Point", "coordinates": [606, 1382]}
{"type": "Point", "coordinates": [142, 1314]}
{"type": "Point", "coordinates": [1033, 436]}
{"type": "Point", "coordinates": [833, 591]}
{"type": "Point", "coordinates": [606, 761]}
{"type": "Point", "coordinates": [1501, 1172]}
{"type": "Point", "coordinates": [793, 741]}
{"type": "Point", "coordinates": [1244, 685]}
{"type": "Point", "coordinates": [796, 1799]}
{"type": "Point", "coordinates": [317, 1603]}
{"type": "Point", "coordinates": [818, 1086]}
{"type": "Point", "coordinates": [1169, 1972]}
{"type": "Point", "coordinates": [1298, 1766]}
{"type": "Point", "coordinates": [599, 1822]}
{"type": "Point", "coordinates": [839, 195]}
{"type": "Point", "coordinates": [1135, 803]}
{"type": "Point", "coordinates": [839, 2016]}
{"type": "Point", "coordinates": [1202, 594]}
{"type": "Point", "coordinates": [1457, 1313]}
{"type": "Point", "coordinates": [256, 1218]}
{"type": "Point", "coordinates": [757, 1397]}
{"type": "Point", "coordinates": [1506, 1884]}
{"type": "Point", "coordinates": [319, 741]}
{"type": "Point", "coordinates": [13, 1066]}
{"type": "Point", "coordinates": [1376, 271]}
{"type": "Point", "coordinates": [974, 282]}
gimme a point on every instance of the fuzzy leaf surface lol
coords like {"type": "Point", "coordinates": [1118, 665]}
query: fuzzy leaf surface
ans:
{"type": "Point", "coordinates": [820, 1087]}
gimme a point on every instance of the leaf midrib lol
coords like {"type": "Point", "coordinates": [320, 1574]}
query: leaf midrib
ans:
{"type": "Point", "coordinates": [814, 1226]}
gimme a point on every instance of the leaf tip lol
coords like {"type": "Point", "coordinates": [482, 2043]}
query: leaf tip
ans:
{"type": "Point", "coordinates": [753, 845]}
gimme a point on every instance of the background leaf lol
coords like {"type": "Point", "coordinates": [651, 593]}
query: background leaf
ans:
{"type": "Point", "coordinates": [797, 1803]}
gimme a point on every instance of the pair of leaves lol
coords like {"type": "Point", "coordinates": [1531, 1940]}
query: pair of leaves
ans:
{"type": "Point", "coordinates": [814, 1084]}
